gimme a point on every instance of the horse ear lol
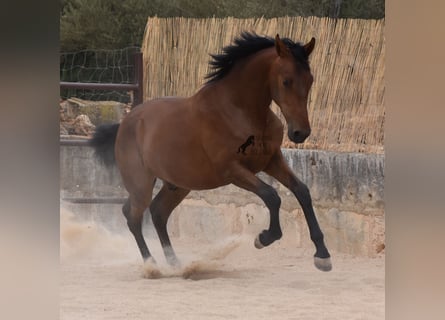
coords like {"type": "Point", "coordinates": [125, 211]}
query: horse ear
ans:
{"type": "Point", "coordinates": [281, 48]}
{"type": "Point", "coordinates": [308, 47]}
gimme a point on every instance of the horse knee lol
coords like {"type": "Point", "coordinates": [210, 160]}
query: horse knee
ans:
{"type": "Point", "coordinates": [304, 190]}
{"type": "Point", "coordinates": [301, 191]}
{"type": "Point", "coordinates": [271, 198]}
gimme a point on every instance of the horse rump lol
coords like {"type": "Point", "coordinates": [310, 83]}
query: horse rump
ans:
{"type": "Point", "coordinates": [103, 142]}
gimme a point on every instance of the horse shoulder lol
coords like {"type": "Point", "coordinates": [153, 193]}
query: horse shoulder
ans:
{"type": "Point", "coordinates": [274, 129]}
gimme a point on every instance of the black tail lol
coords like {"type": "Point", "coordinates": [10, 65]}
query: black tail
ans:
{"type": "Point", "coordinates": [103, 142]}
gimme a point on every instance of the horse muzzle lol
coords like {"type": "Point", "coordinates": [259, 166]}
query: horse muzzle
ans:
{"type": "Point", "coordinates": [298, 136]}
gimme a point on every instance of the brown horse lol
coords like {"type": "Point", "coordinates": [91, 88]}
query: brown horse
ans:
{"type": "Point", "coordinates": [223, 134]}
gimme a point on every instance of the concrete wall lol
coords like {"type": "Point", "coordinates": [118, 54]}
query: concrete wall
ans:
{"type": "Point", "coordinates": [347, 192]}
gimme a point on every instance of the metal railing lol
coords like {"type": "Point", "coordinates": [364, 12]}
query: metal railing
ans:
{"type": "Point", "coordinates": [136, 86]}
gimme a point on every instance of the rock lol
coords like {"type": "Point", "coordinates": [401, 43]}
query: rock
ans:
{"type": "Point", "coordinates": [82, 125]}
{"type": "Point", "coordinates": [63, 130]}
{"type": "Point", "coordinates": [99, 112]}
{"type": "Point", "coordinates": [80, 117]}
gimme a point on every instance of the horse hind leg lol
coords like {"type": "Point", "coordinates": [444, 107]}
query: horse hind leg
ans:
{"type": "Point", "coordinates": [126, 208]}
{"type": "Point", "coordinates": [133, 210]}
{"type": "Point", "coordinates": [167, 199]}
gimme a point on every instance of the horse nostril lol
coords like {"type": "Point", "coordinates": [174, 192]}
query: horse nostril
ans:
{"type": "Point", "coordinates": [300, 135]}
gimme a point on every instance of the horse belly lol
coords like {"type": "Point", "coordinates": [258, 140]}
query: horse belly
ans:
{"type": "Point", "coordinates": [189, 170]}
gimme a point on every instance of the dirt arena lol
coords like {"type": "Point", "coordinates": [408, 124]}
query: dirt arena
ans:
{"type": "Point", "coordinates": [102, 277]}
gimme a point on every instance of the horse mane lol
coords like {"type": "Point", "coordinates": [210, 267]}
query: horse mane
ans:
{"type": "Point", "coordinates": [244, 46]}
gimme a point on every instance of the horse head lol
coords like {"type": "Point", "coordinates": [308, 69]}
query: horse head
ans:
{"type": "Point", "coordinates": [290, 82]}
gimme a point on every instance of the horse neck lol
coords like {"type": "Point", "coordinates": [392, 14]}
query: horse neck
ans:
{"type": "Point", "coordinates": [246, 87]}
{"type": "Point", "coordinates": [248, 83]}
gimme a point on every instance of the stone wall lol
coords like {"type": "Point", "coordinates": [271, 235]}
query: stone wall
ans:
{"type": "Point", "coordinates": [347, 192]}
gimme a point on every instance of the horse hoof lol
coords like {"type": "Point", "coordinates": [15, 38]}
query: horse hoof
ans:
{"type": "Point", "coordinates": [151, 270]}
{"type": "Point", "coordinates": [174, 262]}
{"type": "Point", "coordinates": [258, 243]}
{"type": "Point", "coordinates": [323, 264]}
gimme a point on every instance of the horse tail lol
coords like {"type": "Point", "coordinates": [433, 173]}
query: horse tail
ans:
{"type": "Point", "coordinates": [103, 142]}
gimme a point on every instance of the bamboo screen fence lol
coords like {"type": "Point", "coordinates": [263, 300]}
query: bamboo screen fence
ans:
{"type": "Point", "coordinates": [346, 103]}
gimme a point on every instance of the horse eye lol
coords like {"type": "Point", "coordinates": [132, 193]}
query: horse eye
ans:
{"type": "Point", "coordinates": [287, 82]}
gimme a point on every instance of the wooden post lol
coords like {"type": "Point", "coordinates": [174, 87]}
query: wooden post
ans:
{"type": "Point", "coordinates": [138, 94]}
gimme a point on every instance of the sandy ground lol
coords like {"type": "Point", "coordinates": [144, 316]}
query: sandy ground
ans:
{"type": "Point", "coordinates": [102, 277]}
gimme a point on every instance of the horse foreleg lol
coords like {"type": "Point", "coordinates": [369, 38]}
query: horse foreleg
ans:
{"type": "Point", "coordinates": [245, 179]}
{"type": "Point", "coordinates": [161, 207]}
{"type": "Point", "coordinates": [279, 169]}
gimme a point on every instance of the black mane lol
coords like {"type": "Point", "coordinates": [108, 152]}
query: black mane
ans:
{"type": "Point", "coordinates": [245, 45]}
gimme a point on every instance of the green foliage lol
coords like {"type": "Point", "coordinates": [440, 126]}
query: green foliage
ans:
{"type": "Point", "coordinates": [364, 9]}
{"type": "Point", "coordinates": [103, 24]}
{"type": "Point", "coordinates": [109, 24]}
